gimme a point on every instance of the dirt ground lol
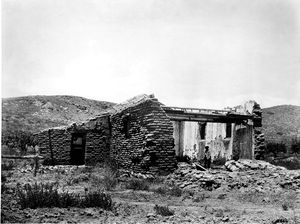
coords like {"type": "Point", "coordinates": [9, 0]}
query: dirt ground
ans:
{"type": "Point", "coordinates": [215, 196]}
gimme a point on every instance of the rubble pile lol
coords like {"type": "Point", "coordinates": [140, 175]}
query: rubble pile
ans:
{"type": "Point", "coordinates": [248, 174]}
{"type": "Point", "coordinates": [242, 174]}
{"type": "Point", "coordinates": [188, 177]}
{"type": "Point", "coordinates": [247, 164]}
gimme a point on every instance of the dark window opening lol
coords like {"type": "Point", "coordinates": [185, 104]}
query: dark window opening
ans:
{"type": "Point", "coordinates": [202, 130]}
{"type": "Point", "coordinates": [228, 130]}
{"type": "Point", "coordinates": [126, 126]}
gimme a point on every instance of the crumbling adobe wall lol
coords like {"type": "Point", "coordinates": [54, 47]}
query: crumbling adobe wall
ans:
{"type": "Point", "coordinates": [97, 137]}
{"type": "Point", "coordinates": [60, 142]}
{"type": "Point", "coordinates": [97, 140]}
{"type": "Point", "coordinates": [142, 138]}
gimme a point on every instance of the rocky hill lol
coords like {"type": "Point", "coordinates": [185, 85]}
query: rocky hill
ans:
{"type": "Point", "coordinates": [34, 113]}
{"type": "Point", "coordinates": [281, 123]}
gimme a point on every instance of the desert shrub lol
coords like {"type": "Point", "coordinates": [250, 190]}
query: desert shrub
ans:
{"type": "Point", "coordinates": [96, 181]}
{"type": "Point", "coordinates": [285, 206]}
{"type": "Point", "coordinates": [110, 179]}
{"type": "Point", "coordinates": [221, 196]}
{"type": "Point", "coordinates": [46, 195]}
{"type": "Point", "coordinates": [163, 190]}
{"type": "Point", "coordinates": [189, 192]}
{"type": "Point", "coordinates": [112, 164]}
{"type": "Point", "coordinates": [219, 213]}
{"type": "Point", "coordinates": [280, 220]}
{"type": "Point", "coordinates": [97, 199]}
{"type": "Point", "coordinates": [87, 169]}
{"type": "Point", "coordinates": [199, 198]}
{"type": "Point", "coordinates": [19, 139]}
{"type": "Point", "coordinates": [3, 183]}
{"type": "Point", "coordinates": [4, 188]}
{"type": "Point", "coordinates": [137, 184]}
{"type": "Point", "coordinates": [163, 210]}
{"type": "Point", "coordinates": [156, 180]}
{"type": "Point", "coordinates": [172, 190]}
{"type": "Point", "coordinates": [291, 163]}
{"type": "Point", "coordinates": [3, 178]}
{"type": "Point", "coordinates": [9, 165]}
{"type": "Point", "coordinates": [175, 191]}
{"type": "Point", "coordinates": [295, 147]}
{"type": "Point", "coordinates": [104, 178]}
{"type": "Point", "coordinates": [275, 148]}
{"type": "Point", "coordinates": [83, 177]}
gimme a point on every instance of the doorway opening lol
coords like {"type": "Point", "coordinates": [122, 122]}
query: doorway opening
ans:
{"type": "Point", "coordinates": [78, 149]}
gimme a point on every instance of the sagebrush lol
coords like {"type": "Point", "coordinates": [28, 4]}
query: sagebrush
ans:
{"type": "Point", "coordinates": [137, 184]}
{"type": "Point", "coordinates": [163, 210]}
{"type": "Point", "coordinates": [47, 195]}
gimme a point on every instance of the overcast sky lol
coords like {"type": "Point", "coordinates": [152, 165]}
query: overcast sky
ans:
{"type": "Point", "coordinates": [197, 53]}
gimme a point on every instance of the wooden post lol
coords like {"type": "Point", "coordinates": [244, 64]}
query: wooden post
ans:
{"type": "Point", "coordinates": [50, 146]}
{"type": "Point", "coordinates": [36, 164]}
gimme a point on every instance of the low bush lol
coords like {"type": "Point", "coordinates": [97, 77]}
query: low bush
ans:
{"type": "Point", "coordinates": [19, 140]}
{"type": "Point", "coordinates": [47, 195]}
{"type": "Point", "coordinates": [199, 198]}
{"type": "Point", "coordinates": [291, 163]}
{"type": "Point", "coordinates": [173, 190]}
{"type": "Point", "coordinates": [295, 147]}
{"type": "Point", "coordinates": [163, 190]}
{"type": "Point", "coordinates": [285, 206]}
{"type": "Point", "coordinates": [4, 188]}
{"type": "Point", "coordinates": [110, 179]}
{"type": "Point", "coordinates": [112, 164]}
{"type": "Point", "coordinates": [137, 184]}
{"type": "Point", "coordinates": [44, 195]}
{"type": "Point", "coordinates": [97, 199]}
{"type": "Point", "coordinates": [8, 165]}
{"type": "Point", "coordinates": [163, 210]}
{"type": "Point", "coordinates": [82, 177]}
{"type": "Point", "coordinates": [275, 148]}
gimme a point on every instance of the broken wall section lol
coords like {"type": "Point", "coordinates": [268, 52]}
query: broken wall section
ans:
{"type": "Point", "coordinates": [252, 107]}
{"type": "Point", "coordinates": [97, 139]}
{"type": "Point", "coordinates": [55, 143]}
{"type": "Point", "coordinates": [142, 138]}
{"type": "Point", "coordinates": [192, 137]}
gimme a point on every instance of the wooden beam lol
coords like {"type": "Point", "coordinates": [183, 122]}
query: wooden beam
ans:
{"type": "Point", "coordinates": [21, 157]}
{"type": "Point", "coordinates": [200, 118]}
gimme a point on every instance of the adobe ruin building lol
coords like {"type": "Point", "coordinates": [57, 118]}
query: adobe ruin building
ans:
{"type": "Point", "coordinates": [145, 136]}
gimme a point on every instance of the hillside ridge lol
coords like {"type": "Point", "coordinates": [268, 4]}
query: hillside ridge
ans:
{"type": "Point", "coordinates": [281, 123]}
{"type": "Point", "coordinates": [37, 112]}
